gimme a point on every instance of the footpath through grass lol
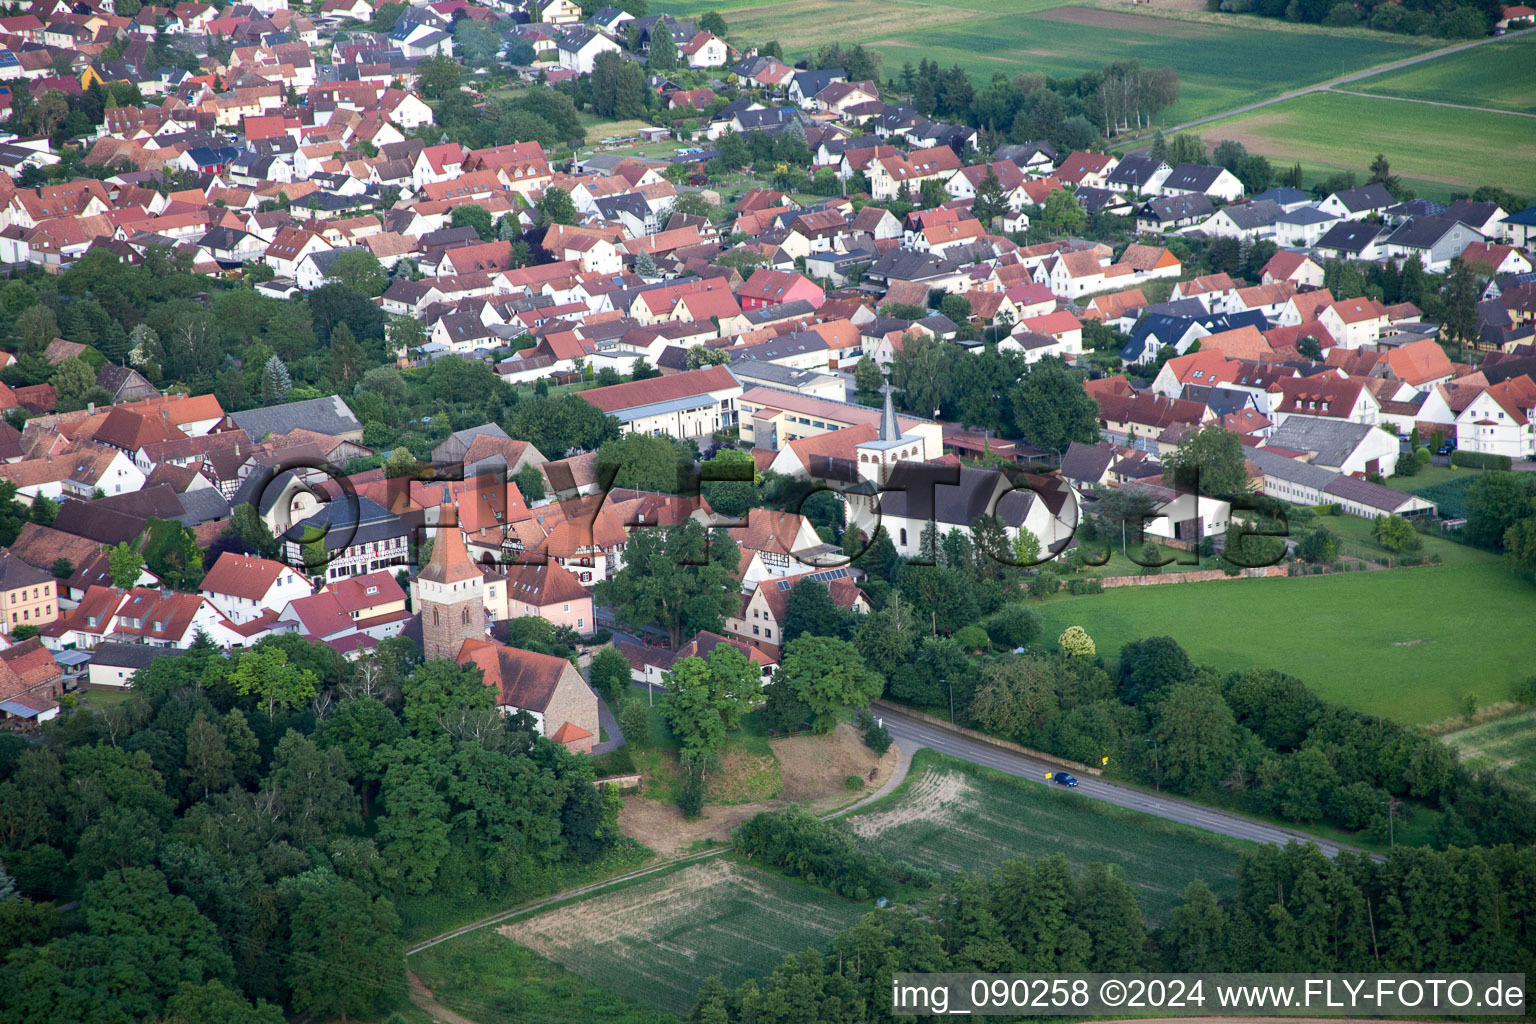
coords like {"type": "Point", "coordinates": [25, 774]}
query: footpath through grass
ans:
{"type": "Point", "coordinates": [1222, 62]}
{"type": "Point", "coordinates": [951, 815]}
{"type": "Point", "coordinates": [1500, 75]}
{"type": "Point", "coordinates": [1406, 644]}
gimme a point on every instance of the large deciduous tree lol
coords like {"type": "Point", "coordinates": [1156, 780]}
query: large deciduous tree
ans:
{"type": "Point", "coordinates": [347, 955]}
{"type": "Point", "coordinates": [680, 578]}
{"type": "Point", "coordinates": [827, 675]}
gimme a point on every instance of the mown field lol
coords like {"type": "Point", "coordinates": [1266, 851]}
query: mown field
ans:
{"type": "Point", "coordinates": [1406, 644]}
{"type": "Point", "coordinates": [955, 816]}
{"type": "Point", "coordinates": [1500, 75]}
{"type": "Point", "coordinates": [1437, 150]}
{"type": "Point", "coordinates": [1222, 62]}
{"type": "Point", "coordinates": [656, 941]}
{"type": "Point", "coordinates": [1507, 744]}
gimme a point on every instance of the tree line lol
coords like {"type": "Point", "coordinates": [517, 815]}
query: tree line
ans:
{"type": "Point", "coordinates": [1293, 910]}
{"type": "Point", "coordinates": [248, 836]}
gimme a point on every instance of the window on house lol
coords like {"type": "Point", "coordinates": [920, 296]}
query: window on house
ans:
{"type": "Point", "coordinates": [903, 538]}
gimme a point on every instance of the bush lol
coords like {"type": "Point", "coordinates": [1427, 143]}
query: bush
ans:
{"type": "Point", "coordinates": [1408, 465]}
{"type": "Point", "coordinates": [635, 721]}
{"type": "Point", "coordinates": [1422, 454]}
{"type": "Point", "coordinates": [1085, 587]}
{"type": "Point", "coordinates": [1525, 691]}
{"type": "Point", "coordinates": [1479, 460]}
{"type": "Point", "coordinates": [1015, 626]}
{"type": "Point", "coordinates": [876, 736]}
{"type": "Point", "coordinates": [853, 782]}
{"type": "Point", "coordinates": [805, 846]}
{"type": "Point", "coordinates": [1044, 584]}
{"type": "Point", "coordinates": [972, 638]}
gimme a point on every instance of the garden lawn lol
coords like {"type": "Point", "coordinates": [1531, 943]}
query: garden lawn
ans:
{"type": "Point", "coordinates": [656, 941]}
{"type": "Point", "coordinates": [1221, 63]}
{"type": "Point", "coordinates": [1406, 644]}
{"type": "Point", "coordinates": [1430, 476]}
{"type": "Point", "coordinates": [951, 815]}
{"type": "Point", "coordinates": [1501, 75]}
{"type": "Point", "coordinates": [1329, 132]}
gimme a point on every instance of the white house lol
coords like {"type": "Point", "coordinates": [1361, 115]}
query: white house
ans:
{"type": "Point", "coordinates": [244, 588]}
{"type": "Point", "coordinates": [1499, 421]}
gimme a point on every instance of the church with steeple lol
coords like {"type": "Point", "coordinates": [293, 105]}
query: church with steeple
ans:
{"type": "Point", "coordinates": [450, 590]}
{"type": "Point", "coordinates": [879, 455]}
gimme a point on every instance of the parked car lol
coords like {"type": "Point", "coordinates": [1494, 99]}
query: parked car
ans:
{"type": "Point", "coordinates": [1063, 779]}
{"type": "Point", "coordinates": [1445, 449]}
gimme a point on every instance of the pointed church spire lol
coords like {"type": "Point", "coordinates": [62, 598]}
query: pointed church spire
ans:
{"type": "Point", "coordinates": [890, 430]}
{"type": "Point", "coordinates": [450, 561]}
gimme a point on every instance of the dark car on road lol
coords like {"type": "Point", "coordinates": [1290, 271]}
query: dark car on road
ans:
{"type": "Point", "coordinates": [1063, 779]}
{"type": "Point", "coordinates": [1445, 449]}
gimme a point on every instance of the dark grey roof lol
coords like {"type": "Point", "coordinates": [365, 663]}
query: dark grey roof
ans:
{"type": "Point", "coordinates": [1284, 195]}
{"type": "Point", "coordinates": [15, 573]}
{"type": "Point", "coordinates": [1350, 236]}
{"type": "Point", "coordinates": [119, 655]}
{"type": "Point", "coordinates": [1172, 208]}
{"type": "Point", "coordinates": [1366, 197]}
{"type": "Point", "coordinates": [782, 347]}
{"type": "Point", "coordinates": [812, 82]}
{"type": "Point", "coordinates": [950, 495]}
{"type": "Point", "coordinates": [1192, 177]}
{"type": "Point", "coordinates": [322, 415]}
{"type": "Point", "coordinates": [1086, 462]}
{"type": "Point", "coordinates": [1255, 215]}
{"type": "Point", "coordinates": [1426, 232]}
{"type": "Point", "coordinates": [347, 524]}
{"type": "Point", "coordinates": [1135, 171]}
{"type": "Point", "coordinates": [1306, 215]}
{"type": "Point", "coordinates": [202, 505]}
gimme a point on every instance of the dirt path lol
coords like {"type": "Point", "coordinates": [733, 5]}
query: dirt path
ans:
{"type": "Point", "coordinates": [1430, 103]}
{"type": "Point", "coordinates": [1331, 84]}
{"type": "Point", "coordinates": [428, 1004]}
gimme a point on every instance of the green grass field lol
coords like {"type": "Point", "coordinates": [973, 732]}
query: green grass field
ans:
{"type": "Point", "coordinates": [1406, 644]}
{"type": "Point", "coordinates": [655, 942]}
{"type": "Point", "coordinates": [953, 816]}
{"type": "Point", "coordinates": [1223, 61]}
{"type": "Point", "coordinates": [1507, 744]}
{"type": "Point", "coordinates": [1329, 132]}
{"type": "Point", "coordinates": [1430, 476]}
{"type": "Point", "coordinates": [1500, 75]}
{"type": "Point", "coordinates": [487, 978]}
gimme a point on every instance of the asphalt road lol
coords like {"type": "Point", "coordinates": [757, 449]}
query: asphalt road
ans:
{"type": "Point", "coordinates": [1346, 79]}
{"type": "Point", "coordinates": [912, 733]}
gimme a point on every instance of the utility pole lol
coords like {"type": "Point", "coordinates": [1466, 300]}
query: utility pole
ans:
{"type": "Point", "coordinates": [951, 686]}
{"type": "Point", "coordinates": [1391, 805]}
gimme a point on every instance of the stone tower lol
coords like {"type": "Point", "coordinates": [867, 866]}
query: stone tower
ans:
{"type": "Point", "coordinates": [450, 590]}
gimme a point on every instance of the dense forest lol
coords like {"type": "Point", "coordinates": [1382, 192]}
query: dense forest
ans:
{"type": "Point", "coordinates": [1294, 910]}
{"type": "Point", "coordinates": [248, 835]}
